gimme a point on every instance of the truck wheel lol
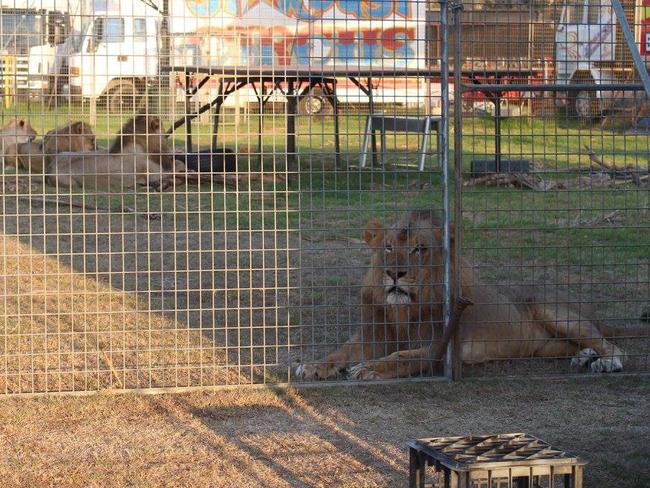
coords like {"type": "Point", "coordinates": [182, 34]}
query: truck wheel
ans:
{"type": "Point", "coordinates": [585, 106]}
{"type": "Point", "coordinates": [122, 99]}
{"type": "Point", "coordinates": [314, 103]}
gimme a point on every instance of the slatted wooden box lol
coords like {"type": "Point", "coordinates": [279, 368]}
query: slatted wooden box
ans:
{"type": "Point", "coordinates": [492, 461]}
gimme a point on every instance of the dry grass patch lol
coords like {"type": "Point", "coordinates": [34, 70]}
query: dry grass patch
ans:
{"type": "Point", "coordinates": [343, 437]}
{"type": "Point", "coordinates": [64, 332]}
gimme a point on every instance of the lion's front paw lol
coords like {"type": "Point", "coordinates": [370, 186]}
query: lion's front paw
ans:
{"type": "Point", "coordinates": [363, 371]}
{"type": "Point", "coordinates": [611, 364]}
{"type": "Point", "coordinates": [316, 372]}
{"type": "Point", "coordinates": [589, 358]}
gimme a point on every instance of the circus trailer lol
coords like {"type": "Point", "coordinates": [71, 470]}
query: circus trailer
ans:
{"type": "Point", "coordinates": [590, 48]}
{"type": "Point", "coordinates": [118, 50]}
{"type": "Point", "coordinates": [385, 37]}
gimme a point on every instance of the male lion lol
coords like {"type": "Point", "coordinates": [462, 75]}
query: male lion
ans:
{"type": "Point", "coordinates": [401, 306]}
{"type": "Point", "coordinates": [145, 131]}
{"type": "Point", "coordinates": [35, 157]}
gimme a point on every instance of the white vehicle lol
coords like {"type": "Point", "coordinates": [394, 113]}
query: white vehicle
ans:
{"type": "Point", "coordinates": [590, 48]}
{"type": "Point", "coordinates": [116, 54]}
{"type": "Point", "coordinates": [118, 50]}
{"type": "Point", "coordinates": [30, 30]}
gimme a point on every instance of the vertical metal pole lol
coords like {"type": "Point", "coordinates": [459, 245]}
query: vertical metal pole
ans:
{"type": "Point", "coordinates": [457, 8]}
{"type": "Point", "coordinates": [371, 110]}
{"type": "Point", "coordinates": [292, 110]}
{"type": "Point", "coordinates": [337, 134]}
{"type": "Point", "coordinates": [165, 48]}
{"type": "Point", "coordinates": [366, 140]}
{"type": "Point", "coordinates": [215, 120]}
{"type": "Point", "coordinates": [188, 120]}
{"type": "Point", "coordinates": [497, 132]}
{"type": "Point", "coordinates": [164, 63]}
{"type": "Point", "coordinates": [632, 46]}
{"type": "Point", "coordinates": [444, 163]}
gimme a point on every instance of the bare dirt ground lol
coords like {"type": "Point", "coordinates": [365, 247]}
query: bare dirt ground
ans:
{"type": "Point", "coordinates": [354, 436]}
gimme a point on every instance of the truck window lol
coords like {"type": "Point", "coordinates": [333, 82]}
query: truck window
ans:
{"type": "Point", "coordinates": [109, 30]}
{"type": "Point", "coordinates": [139, 29]}
{"type": "Point", "coordinates": [20, 31]}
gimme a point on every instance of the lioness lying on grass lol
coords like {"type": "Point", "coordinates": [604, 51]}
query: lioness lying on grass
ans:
{"type": "Point", "coordinates": [16, 131]}
{"type": "Point", "coordinates": [35, 157]}
{"type": "Point", "coordinates": [401, 315]}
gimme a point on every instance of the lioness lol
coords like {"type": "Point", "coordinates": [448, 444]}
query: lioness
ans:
{"type": "Point", "coordinates": [95, 171]}
{"type": "Point", "coordinates": [17, 131]}
{"type": "Point", "coordinates": [401, 312]}
{"type": "Point", "coordinates": [35, 157]}
{"type": "Point", "coordinates": [132, 166]}
{"type": "Point", "coordinates": [146, 131]}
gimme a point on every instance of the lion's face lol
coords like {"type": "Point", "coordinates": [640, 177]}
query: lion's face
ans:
{"type": "Point", "coordinates": [406, 267]}
{"type": "Point", "coordinates": [147, 132]}
{"type": "Point", "coordinates": [19, 129]}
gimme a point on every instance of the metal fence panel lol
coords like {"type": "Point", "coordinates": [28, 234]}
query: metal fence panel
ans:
{"type": "Point", "coordinates": [555, 191]}
{"type": "Point", "coordinates": [242, 193]}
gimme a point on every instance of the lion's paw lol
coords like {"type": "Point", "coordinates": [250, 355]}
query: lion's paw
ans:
{"type": "Point", "coordinates": [362, 371]}
{"type": "Point", "coordinates": [316, 372]}
{"type": "Point", "coordinates": [610, 364]}
{"type": "Point", "coordinates": [584, 358]}
{"type": "Point", "coordinates": [589, 358]}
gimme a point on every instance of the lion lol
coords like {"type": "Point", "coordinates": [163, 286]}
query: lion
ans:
{"type": "Point", "coordinates": [95, 171]}
{"type": "Point", "coordinates": [401, 307]}
{"type": "Point", "coordinates": [17, 131]}
{"type": "Point", "coordinates": [145, 130]}
{"type": "Point", "coordinates": [132, 166]}
{"type": "Point", "coordinates": [35, 157]}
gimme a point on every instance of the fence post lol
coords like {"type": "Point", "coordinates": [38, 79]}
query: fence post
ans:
{"type": "Point", "coordinates": [457, 8]}
{"type": "Point", "coordinates": [444, 163]}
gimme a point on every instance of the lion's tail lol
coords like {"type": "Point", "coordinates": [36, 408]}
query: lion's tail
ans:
{"type": "Point", "coordinates": [620, 331]}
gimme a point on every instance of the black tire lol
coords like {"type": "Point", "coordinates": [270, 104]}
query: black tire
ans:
{"type": "Point", "coordinates": [314, 103]}
{"type": "Point", "coordinates": [122, 99]}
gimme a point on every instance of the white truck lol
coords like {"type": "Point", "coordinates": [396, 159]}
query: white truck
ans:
{"type": "Point", "coordinates": [27, 29]}
{"type": "Point", "coordinates": [590, 48]}
{"type": "Point", "coordinates": [120, 44]}
{"type": "Point", "coordinates": [116, 53]}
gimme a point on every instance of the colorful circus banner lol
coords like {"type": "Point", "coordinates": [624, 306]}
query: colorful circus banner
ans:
{"type": "Point", "coordinates": [361, 34]}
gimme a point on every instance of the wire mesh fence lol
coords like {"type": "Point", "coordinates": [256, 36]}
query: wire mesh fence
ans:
{"type": "Point", "coordinates": [555, 197]}
{"type": "Point", "coordinates": [225, 193]}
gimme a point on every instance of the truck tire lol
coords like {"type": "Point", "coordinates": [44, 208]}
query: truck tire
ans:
{"type": "Point", "coordinates": [314, 103]}
{"type": "Point", "coordinates": [122, 98]}
{"type": "Point", "coordinates": [585, 106]}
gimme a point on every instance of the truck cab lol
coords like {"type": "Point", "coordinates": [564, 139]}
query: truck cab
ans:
{"type": "Point", "coordinates": [47, 62]}
{"type": "Point", "coordinates": [115, 57]}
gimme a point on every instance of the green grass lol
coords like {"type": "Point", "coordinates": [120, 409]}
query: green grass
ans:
{"type": "Point", "coordinates": [556, 226]}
